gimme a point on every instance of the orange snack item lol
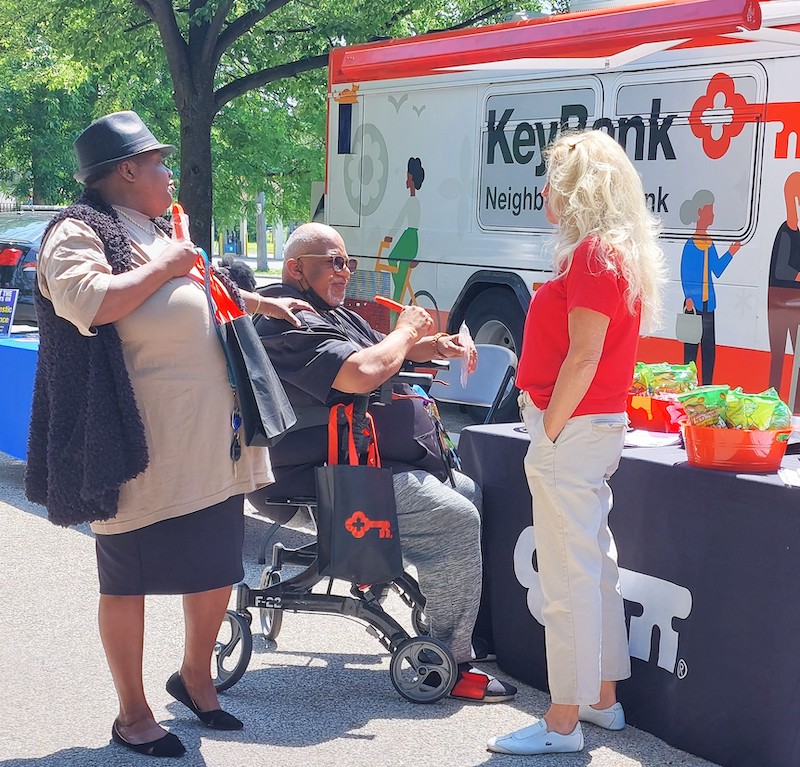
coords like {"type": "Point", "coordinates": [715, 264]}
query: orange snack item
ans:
{"type": "Point", "coordinates": [389, 303]}
{"type": "Point", "coordinates": [180, 222]}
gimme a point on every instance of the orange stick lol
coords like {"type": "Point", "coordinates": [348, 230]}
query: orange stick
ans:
{"type": "Point", "coordinates": [180, 222]}
{"type": "Point", "coordinates": [389, 303]}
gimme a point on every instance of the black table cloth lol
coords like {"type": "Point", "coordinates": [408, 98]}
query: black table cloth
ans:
{"type": "Point", "coordinates": [710, 570]}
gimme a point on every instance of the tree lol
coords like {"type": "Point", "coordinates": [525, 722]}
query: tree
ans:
{"type": "Point", "coordinates": [217, 51]}
{"type": "Point", "coordinates": [43, 101]}
{"type": "Point", "coordinates": [283, 129]}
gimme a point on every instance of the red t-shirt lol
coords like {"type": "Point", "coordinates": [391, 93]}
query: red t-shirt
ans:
{"type": "Point", "coordinates": [545, 343]}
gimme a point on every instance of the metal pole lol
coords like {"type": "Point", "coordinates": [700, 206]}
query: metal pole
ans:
{"type": "Point", "coordinates": [243, 236]}
{"type": "Point", "coordinates": [261, 234]}
{"type": "Point", "coordinates": [279, 240]}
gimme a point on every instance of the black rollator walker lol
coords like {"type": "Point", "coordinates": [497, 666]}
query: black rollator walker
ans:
{"type": "Point", "coordinates": [422, 669]}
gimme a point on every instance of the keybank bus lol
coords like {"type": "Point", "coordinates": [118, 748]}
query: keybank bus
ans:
{"type": "Point", "coordinates": [435, 169]}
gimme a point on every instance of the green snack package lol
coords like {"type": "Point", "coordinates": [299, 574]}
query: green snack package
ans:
{"type": "Point", "coordinates": [673, 379]}
{"type": "Point", "coordinates": [734, 411]}
{"type": "Point", "coordinates": [705, 405]}
{"type": "Point", "coordinates": [782, 416]}
{"type": "Point", "coordinates": [750, 411]}
{"type": "Point", "coordinates": [642, 380]}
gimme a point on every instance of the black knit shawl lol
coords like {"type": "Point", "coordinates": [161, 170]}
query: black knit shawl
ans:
{"type": "Point", "coordinates": [86, 435]}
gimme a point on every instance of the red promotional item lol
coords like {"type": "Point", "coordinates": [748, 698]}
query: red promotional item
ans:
{"type": "Point", "coordinates": [743, 450]}
{"type": "Point", "coordinates": [226, 308]}
{"type": "Point", "coordinates": [654, 414]}
{"type": "Point", "coordinates": [389, 303]}
{"type": "Point", "coordinates": [180, 222]}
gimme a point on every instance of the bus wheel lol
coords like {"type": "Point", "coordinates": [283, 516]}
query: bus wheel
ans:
{"type": "Point", "coordinates": [495, 317]}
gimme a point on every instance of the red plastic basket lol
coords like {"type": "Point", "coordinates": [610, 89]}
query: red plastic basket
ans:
{"type": "Point", "coordinates": [748, 450]}
{"type": "Point", "coordinates": [651, 414]}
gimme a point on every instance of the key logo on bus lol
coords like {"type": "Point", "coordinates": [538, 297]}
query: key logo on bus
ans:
{"type": "Point", "coordinates": [721, 114]}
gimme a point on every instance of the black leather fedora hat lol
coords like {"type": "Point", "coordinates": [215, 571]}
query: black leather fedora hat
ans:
{"type": "Point", "coordinates": [112, 139]}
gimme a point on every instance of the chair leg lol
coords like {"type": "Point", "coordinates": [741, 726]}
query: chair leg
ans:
{"type": "Point", "coordinates": [499, 396]}
{"type": "Point", "coordinates": [265, 539]}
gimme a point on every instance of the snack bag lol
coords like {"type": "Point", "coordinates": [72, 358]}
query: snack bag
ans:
{"type": "Point", "coordinates": [782, 416]}
{"type": "Point", "coordinates": [749, 411]}
{"type": "Point", "coordinates": [705, 405]}
{"type": "Point", "coordinates": [673, 379]}
{"type": "Point", "coordinates": [642, 380]}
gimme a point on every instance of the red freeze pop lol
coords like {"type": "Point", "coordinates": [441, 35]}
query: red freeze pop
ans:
{"type": "Point", "coordinates": [389, 303]}
{"type": "Point", "coordinates": [180, 222]}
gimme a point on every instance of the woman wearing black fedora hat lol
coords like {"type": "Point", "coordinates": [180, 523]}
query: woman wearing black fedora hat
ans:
{"type": "Point", "coordinates": [133, 426]}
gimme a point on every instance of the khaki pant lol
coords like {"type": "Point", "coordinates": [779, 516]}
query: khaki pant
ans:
{"type": "Point", "coordinates": [583, 611]}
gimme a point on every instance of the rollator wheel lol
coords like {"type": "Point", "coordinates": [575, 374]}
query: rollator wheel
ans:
{"type": "Point", "coordinates": [423, 670]}
{"type": "Point", "coordinates": [271, 619]}
{"type": "Point", "coordinates": [419, 622]}
{"type": "Point", "coordinates": [232, 651]}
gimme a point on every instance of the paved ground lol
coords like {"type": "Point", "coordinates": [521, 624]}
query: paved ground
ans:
{"type": "Point", "coordinates": [322, 697]}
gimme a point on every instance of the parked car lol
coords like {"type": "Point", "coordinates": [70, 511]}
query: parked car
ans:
{"type": "Point", "coordinates": [20, 236]}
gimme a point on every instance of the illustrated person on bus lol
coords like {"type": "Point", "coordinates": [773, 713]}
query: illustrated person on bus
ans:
{"type": "Point", "coordinates": [783, 294]}
{"type": "Point", "coordinates": [699, 264]}
{"type": "Point", "coordinates": [402, 257]}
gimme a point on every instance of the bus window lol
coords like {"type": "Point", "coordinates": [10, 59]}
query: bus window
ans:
{"type": "Point", "coordinates": [516, 126]}
{"type": "Point", "coordinates": [662, 123]}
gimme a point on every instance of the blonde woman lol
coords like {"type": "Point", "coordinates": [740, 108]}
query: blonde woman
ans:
{"type": "Point", "coordinates": [578, 354]}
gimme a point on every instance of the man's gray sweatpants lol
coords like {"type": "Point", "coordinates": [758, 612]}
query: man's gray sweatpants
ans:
{"type": "Point", "coordinates": [440, 531]}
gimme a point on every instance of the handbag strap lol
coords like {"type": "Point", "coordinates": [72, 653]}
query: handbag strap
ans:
{"type": "Point", "coordinates": [236, 415]}
{"type": "Point", "coordinates": [212, 305]}
{"type": "Point", "coordinates": [344, 414]}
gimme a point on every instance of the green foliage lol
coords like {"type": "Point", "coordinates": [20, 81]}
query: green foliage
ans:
{"type": "Point", "coordinates": [43, 103]}
{"type": "Point", "coordinates": [74, 60]}
{"type": "Point", "coordinates": [272, 142]}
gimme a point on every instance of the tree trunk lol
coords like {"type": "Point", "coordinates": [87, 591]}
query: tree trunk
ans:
{"type": "Point", "coordinates": [194, 183]}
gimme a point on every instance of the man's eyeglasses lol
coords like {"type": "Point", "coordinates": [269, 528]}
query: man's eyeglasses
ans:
{"type": "Point", "coordinates": [337, 262]}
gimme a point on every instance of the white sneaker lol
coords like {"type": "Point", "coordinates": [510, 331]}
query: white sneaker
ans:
{"type": "Point", "coordinates": [611, 718]}
{"type": "Point", "coordinates": [535, 739]}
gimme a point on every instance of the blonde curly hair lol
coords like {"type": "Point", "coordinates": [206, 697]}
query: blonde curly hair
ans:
{"type": "Point", "coordinates": [596, 192]}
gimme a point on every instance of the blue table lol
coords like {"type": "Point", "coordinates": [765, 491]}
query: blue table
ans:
{"type": "Point", "coordinates": [18, 355]}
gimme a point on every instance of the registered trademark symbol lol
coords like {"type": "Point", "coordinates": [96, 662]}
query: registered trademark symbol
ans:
{"type": "Point", "coordinates": [682, 669]}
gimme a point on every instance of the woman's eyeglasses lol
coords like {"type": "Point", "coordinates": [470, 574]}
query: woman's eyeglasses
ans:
{"type": "Point", "coordinates": [337, 262]}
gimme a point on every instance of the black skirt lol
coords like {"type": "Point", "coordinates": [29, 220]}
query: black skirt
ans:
{"type": "Point", "coordinates": [196, 552]}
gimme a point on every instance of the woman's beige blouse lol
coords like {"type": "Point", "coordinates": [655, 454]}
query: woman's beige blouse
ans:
{"type": "Point", "coordinates": [177, 369]}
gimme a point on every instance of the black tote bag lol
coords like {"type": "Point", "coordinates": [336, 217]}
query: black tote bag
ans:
{"type": "Point", "coordinates": [265, 409]}
{"type": "Point", "coordinates": [358, 539]}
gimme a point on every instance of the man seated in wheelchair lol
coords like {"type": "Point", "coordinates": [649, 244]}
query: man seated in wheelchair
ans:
{"type": "Point", "coordinates": [336, 355]}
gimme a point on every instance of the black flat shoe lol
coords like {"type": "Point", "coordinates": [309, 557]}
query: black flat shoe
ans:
{"type": "Point", "coordinates": [169, 745]}
{"type": "Point", "coordinates": [216, 719]}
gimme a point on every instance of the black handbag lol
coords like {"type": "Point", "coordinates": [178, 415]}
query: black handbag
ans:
{"type": "Point", "coordinates": [358, 540]}
{"type": "Point", "coordinates": [265, 409]}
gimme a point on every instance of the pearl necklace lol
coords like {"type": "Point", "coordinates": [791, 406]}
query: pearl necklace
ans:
{"type": "Point", "coordinates": [153, 231]}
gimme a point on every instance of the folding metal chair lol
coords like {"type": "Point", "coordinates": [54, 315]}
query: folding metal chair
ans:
{"type": "Point", "coordinates": [485, 388]}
